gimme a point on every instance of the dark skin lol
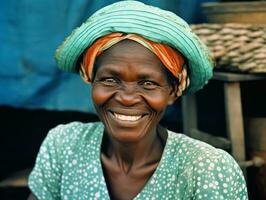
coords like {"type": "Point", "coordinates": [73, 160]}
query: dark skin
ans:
{"type": "Point", "coordinates": [130, 91]}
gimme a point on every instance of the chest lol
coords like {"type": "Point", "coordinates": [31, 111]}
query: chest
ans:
{"type": "Point", "coordinates": [84, 176]}
{"type": "Point", "coordinates": [90, 182]}
{"type": "Point", "coordinates": [126, 186]}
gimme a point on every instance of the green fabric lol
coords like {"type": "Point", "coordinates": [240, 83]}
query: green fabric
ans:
{"type": "Point", "coordinates": [68, 167]}
{"type": "Point", "coordinates": [152, 23]}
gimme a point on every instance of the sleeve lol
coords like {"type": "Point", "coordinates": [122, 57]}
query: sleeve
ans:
{"type": "Point", "coordinates": [44, 180]}
{"type": "Point", "coordinates": [218, 176]}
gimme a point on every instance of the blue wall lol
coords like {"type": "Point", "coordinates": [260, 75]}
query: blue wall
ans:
{"type": "Point", "coordinates": [31, 30]}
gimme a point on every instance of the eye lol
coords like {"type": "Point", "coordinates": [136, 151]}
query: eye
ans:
{"type": "Point", "coordinates": [149, 85]}
{"type": "Point", "coordinates": [109, 81]}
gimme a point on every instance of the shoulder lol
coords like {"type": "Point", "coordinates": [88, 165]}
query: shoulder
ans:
{"type": "Point", "coordinates": [74, 130]}
{"type": "Point", "coordinates": [207, 169]}
{"type": "Point", "coordinates": [72, 134]}
{"type": "Point", "coordinates": [201, 157]}
{"type": "Point", "coordinates": [191, 147]}
{"type": "Point", "coordinates": [61, 145]}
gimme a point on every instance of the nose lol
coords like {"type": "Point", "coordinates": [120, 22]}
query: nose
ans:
{"type": "Point", "coordinates": [128, 95]}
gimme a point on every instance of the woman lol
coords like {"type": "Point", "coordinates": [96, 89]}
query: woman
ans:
{"type": "Point", "coordinates": [139, 59]}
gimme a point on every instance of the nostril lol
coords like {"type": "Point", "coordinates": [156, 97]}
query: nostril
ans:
{"type": "Point", "coordinates": [127, 98]}
{"type": "Point", "coordinates": [128, 94]}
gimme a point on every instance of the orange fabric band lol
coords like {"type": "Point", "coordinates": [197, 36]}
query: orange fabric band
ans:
{"type": "Point", "coordinates": [171, 59]}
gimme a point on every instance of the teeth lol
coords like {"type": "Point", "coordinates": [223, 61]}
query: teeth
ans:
{"type": "Point", "coordinates": [127, 117]}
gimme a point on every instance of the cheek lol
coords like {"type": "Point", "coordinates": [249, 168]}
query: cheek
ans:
{"type": "Point", "coordinates": [158, 101]}
{"type": "Point", "coordinates": [100, 95]}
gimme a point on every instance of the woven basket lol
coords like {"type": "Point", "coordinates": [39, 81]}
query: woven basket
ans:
{"type": "Point", "coordinates": [235, 46]}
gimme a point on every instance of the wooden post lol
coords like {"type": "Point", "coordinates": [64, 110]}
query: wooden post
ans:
{"type": "Point", "coordinates": [234, 121]}
{"type": "Point", "coordinates": [234, 117]}
{"type": "Point", "coordinates": [189, 113]}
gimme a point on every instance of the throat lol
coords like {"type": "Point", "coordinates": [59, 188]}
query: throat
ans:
{"type": "Point", "coordinates": [128, 167]}
{"type": "Point", "coordinates": [126, 182]}
{"type": "Point", "coordinates": [126, 157]}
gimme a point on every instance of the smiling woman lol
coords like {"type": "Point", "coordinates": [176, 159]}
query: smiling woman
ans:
{"type": "Point", "coordinates": [131, 91]}
{"type": "Point", "coordinates": [138, 60]}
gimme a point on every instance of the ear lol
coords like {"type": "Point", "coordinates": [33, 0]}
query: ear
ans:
{"type": "Point", "coordinates": [173, 94]}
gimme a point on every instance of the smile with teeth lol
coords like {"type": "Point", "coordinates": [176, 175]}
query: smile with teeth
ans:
{"type": "Point", "coordinates": [131, 118]}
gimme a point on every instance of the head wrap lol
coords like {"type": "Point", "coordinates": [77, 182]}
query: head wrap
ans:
{"type": "Point", "coordinates": [170, 58]}
{"type": "Point", "coordinates": [154, 24]}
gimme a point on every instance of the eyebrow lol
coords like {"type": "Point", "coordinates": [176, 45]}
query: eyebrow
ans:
{"type": "Point", "coordinates": [114, 72]}
{"type": "Point", "coordinates": [146, 76]}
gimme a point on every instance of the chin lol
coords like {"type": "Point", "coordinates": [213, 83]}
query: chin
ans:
{"type": "Point", "coordinates": [127, 135]}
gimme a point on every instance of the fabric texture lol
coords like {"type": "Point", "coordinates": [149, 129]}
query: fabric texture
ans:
{"type": "Point", "coordinates": [68, 166]}
{"type": "Point", "coordinates": [150, 22]}
{"type": "Point", "coordinates": [171, 59]}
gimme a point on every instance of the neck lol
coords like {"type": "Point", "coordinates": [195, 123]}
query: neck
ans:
{"type": "Point", "coordinates": [134, 154]}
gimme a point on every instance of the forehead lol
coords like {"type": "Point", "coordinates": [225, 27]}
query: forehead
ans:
{"type": "Point", "coordinates": [128, 54]}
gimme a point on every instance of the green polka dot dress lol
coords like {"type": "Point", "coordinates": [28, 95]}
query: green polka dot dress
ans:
{"type": "Point", "coordinates": [68, 166]}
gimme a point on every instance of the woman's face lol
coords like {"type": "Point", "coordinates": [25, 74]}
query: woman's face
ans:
{"type": "Point", "coordinates": [130, 91]}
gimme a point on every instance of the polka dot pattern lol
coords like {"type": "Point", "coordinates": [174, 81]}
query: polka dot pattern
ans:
{"type": "Point", "coordinates": [68, 166]}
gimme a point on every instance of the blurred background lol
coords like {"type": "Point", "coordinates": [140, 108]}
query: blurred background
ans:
{"type": "Point", "coordinates": [35, 96]}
